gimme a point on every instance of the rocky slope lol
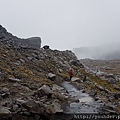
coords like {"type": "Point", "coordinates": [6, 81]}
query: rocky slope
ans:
{"type": "Point", "coordinates": [29, 77]}
{"type": "Point", "coordinates": [30, 81]}
{"type": "Point", "coordinates": [106, 77]}
{"type": "Point", "coordinates": [18, 43]}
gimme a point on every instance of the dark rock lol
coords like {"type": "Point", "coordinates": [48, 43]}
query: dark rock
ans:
{"type": "Point", "coordinates": [5, 92]}
{"type": "Point", "coordinates": [26, 113]}
{"type": "Point", "coordinates": [15, 107]}
{"type": "Point", "coordinates": [37, 117]}
{"type": "Point", "coordinates": [60, 70]}
{"type": "Point", "coordinates": [46, 47]}
{"type": "Point", "coordinates": [96, 98]}
{"type": "Point", "coordinates": [76, 63]}
{"type": "Point", "coordinates": [33, 107]}
{"type": "Point", "coordinates": [117, 95]}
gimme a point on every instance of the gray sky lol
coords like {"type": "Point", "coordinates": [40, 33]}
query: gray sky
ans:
{"type": "Point", "coordinates": [63, 24]}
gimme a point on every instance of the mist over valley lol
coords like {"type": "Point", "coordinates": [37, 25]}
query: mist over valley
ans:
{"type": "Point", "coordinates": [110, 51]}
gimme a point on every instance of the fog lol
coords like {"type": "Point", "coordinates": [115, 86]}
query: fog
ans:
{"type": "Point", "coordinates": [109, 51]}
{"type": "Point", "coordinates": [63, 24]}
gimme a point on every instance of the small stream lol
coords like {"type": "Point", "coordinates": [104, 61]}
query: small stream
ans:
{"type": "Point", "coordinates": [87, 104]}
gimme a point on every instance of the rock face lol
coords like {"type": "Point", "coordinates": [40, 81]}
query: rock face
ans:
{"type": "Point", "coordinates": [17, 43]}
{"type": "Point", "coordinates": [44, 90]}
{"type": "Point", "coordinates": [33, 41]}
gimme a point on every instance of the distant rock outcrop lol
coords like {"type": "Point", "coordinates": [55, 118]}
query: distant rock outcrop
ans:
{"type": "Point", "coordinates": [14, 42]}
{"type": "Point", "coordinates": [105, 52]}
{"type": "Point", "coordinates": [33, 41]}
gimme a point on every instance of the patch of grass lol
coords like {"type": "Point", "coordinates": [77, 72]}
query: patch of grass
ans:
{"type": "Point", "coordinates": [98, 81]}
{"type": "Point", "coordinates": [118, 109]}
{"type": "Point", "coordinates": [64, 76]}
{"type": "Point", "coordinates": [118, 84]}
{"type": "Point", "coordinates": [23, 72]}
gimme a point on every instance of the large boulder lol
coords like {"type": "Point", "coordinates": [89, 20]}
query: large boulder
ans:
{"type": "Point", "coordinates": [46, 47]}
{"type": "Point", "coordinates": [51, 76]}
{"type": "Point", "coordinates": [44, 90]}
{"type": "Point", "coordinates": [33, 107]}
{"type": "Point", "coordinates": [4, 92]}
{"type": "Point", "coordinates": [57, 88]}
{"type": "Point", "coordinates": [55, 107]}
{"type": "Point", "coordinates": [4, 110]}
{"type": "Point", "coordinates": [75, 79]}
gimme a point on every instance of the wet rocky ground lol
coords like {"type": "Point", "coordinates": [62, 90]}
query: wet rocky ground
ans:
{"type": "Point", "coordinates": [85, 104]}
{"type": "Point", "coordinates": [107, 75]}
{"type": "Point", "coordinates": [35, 85]}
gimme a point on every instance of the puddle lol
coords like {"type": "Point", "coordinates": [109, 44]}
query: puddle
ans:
{"type": "Point", "coordinates": [86, 105]}
{"type": "Point", "coordinates": [86, 100]}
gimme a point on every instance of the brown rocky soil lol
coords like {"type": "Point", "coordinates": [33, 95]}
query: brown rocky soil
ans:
{"type": "Point", "coordinates": [106, 77]}
{"type": "Point", "coordinates": [30, 79]}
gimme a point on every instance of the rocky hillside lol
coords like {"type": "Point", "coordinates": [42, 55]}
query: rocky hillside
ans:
{"type": "Point", "coordinates": [23, 73]}
{"type": "Point", "coordinates": [30, 81]}
{"type": "Point", "coordinates": [106, 76]}
{"type": "Point", "coordinates": [29, 77]}
{"type": "Point", "coordinates": [18, 43]}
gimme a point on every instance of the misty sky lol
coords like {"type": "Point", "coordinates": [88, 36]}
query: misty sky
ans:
{"type": "Point", "coordinates": [63, 24]}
